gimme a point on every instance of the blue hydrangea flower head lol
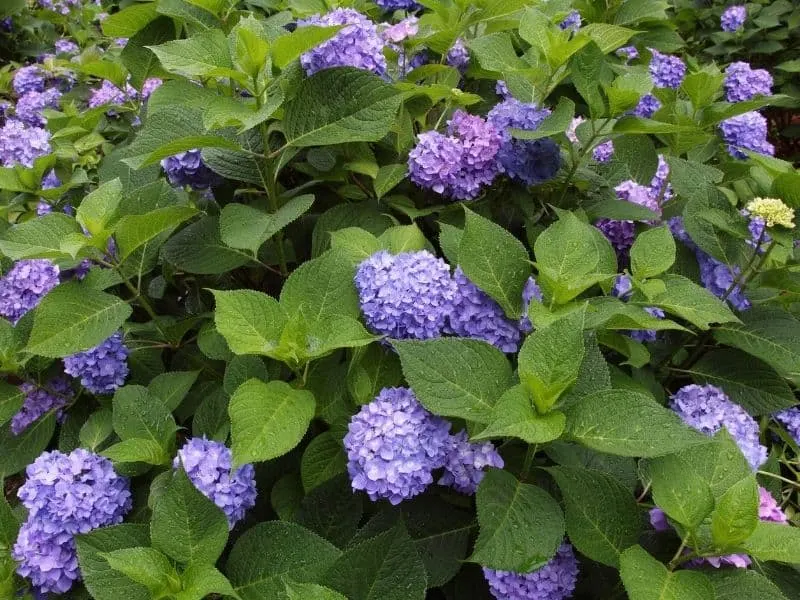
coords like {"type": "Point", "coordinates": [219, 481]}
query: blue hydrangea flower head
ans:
{"type": "Point", "coordinates": [572, 22]}
{"type": "Point", "coordinates": [530, 161]}
{"type": "Point", "coordinates": [358, 44]}
{"type": "Point", "coordinates": [554, 581]}
{"type": "Point", "coordinates": [603, 152]}
{"type": "Point", "coordinates": [46, 557]}
{"type": "Point", "coordinates": [188, 169]}
{"type": "Point", "coordinates": [466, 462]}
{"type": "Point", "coordinates": [733, 18]}
{"type": "Point", "coordinates": [708, 409]}
{"type": "Point", "coordinates": [747, 131]}
{"type": "Point", "coordinates": [399, 32]}
{"type": "Point", "coordinates": [21, 144]}
{"type": "Point", "coordinates": [458, 56]}
{"type": "Point", "coordinates": [208, 464]}
{"type": "Point", "coordinates": [745, 83]}
{"type": "Point", "coordinates": [629, 53]}
{"type": "Point", "coordinates": [647, 107]}
{"type": "Point", "coordinates": [398, 4]}
{"type": "Point", "coordinates": [51, 180]}
{"type": "Point", "coordinates": [530, 292]}
{"type": "Point", "coordinates": [39, 400]}
{"type": "Point", "coordinates": [108, 93]}
{"type": "Point", "coordinates": [66, 46]}
{"type": "Point", "coordinates": [150, 85]}
{"type": "Point", "coordinates": [393, 445]}
{"type": "Point", "coordinates": [666, 71]}
{"type": "Point", "coordinates": [25, 284]}
{"type": "Point", "coordinates": [30, 106]}
{"type": "Point", "coordinates": [405, 296]}
{"type": "Point", "coordinates": [642, 195]}
{"type": "Point", "coordinates": [717, 278]}
{"type": "Point", "coordinates": [476, 315]}
{"type": "Point", "coordinates": [620, 233]}
{"type": "Point", "coordinates": [28, 79]}
{"type": "Point", "coordinates": [501, 89]}
{"type": "Point", "coordinates": [660, 188]}
{"type": "Point", "coordinates": [647, 335]}
{"type": "Point", "coordinates": [790, 419]}
{"type": "Point", "coordinates": [480, 143]}
{"type": "Point", "coordinates": [102, 369]}
{"type": "Point", "coordinates": [434, 162]}
{"type": "Point", "coordinates": [622, 288]}
{"type": "Point", "coordinates": [679, 232]}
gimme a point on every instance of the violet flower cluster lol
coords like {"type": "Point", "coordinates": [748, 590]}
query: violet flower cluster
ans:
{"type": "Point", "coordinates": [108, 93]}
{"type": "Point", "coordinates": [358, 44]}
{"type": "Point", "coordinates": [30, 106]}
{"type": "Point", "coordinates": [572, 22]}
{"type": "Point", "coordinates": [621, 233]}
{"type": "Point", "coordinates": [188, 169]}
{"type": "Point", "coordinates": [21, 144]}
{"type": "Point", "coordinates": [603, 153]}
{"type": "Point", "coordinates": [745, 83]}
{"type": "Point", "coordinates": [790, 419]}
{"type": "Point", "coordinates": [66, 46]}
{"type": "Point", "coordinates": [666, 71]}
{"type": "Point", "coordinates": [622, 289]}
{"type": "Point", "coordinates": [394, 445]}
{"type": "Point", "coordinates": [24, 286]}
{"type": "Point", "coordinates": [733, 18]}
{"type": "Point", "coordinates": [459, 164]}
{"type": "Point", "coordinates": [66, 495]}
{"type": "Point", "coordinates": [554, 581]}
{"type": "Point", "coordinates": [208, 464]}
{"type": "Point", "coordinates": [28, 79]}
{"type": "Point", "coordinates": [40, 400]}
{"type": "Point", "coordinates": [398, 4]}
{"type": "Point", "coordinates": [530, 161]}
{"type": "Point", "coordinates": [708, 409]}
{"type": "Point", "coordinates": [647, 107]}
{"type": "Point", "coordinates": [747, 131]}
{"type": "Point", "coordinates": [458, 56]}
{"type": "Point", "coordinates": [629, 53]}
{"type": "Point", "coordinates": [102, 369]}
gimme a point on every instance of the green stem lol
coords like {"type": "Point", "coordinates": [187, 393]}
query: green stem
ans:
{"type": "Point", "coordinates": [145, 304]}
{"type": "Point", "coordinates": [676, 559]}
{"type": "Point", "coordinates": [774, 476]}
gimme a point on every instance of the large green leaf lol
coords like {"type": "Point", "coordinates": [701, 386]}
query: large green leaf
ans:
{"type": "Point", "coordinates": [103, 582]}
{"type": "Point", "coordinates": [736, 514]}
{"type": "Point", "coordinates": [680, 492]}
{"type": "Point", "coordinates": [653, 252]}
{"type": "Point", "coordinates": [38, 238]}
{"type": "Point", "coordinates": [741, 584]}
{"type": "Point", "coordinates": [647, 579]}
{"type": "Point", "coordinates": [774, 541]}
{"type": "Point", "coordinates": [202, 55]}
{"type": "Point", "coordinates": [247, 228]}
{"type": "Point", "coordinates": [18, 451]}
{"type": "Point", "coordinates": [199, 249]}
{"type": "Point", "coordinates": [514, 416]}
{"type": "Point", "coordinates": [689, 301]}
{"type": "Point", "coordinates": [137, 414]}
{"type": "Point", "coordinates": [251, 322]}
{"type": "Point", "coordinates": [134, 233]}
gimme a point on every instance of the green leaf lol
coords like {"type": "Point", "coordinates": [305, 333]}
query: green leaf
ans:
{"type": "Point", "coordinates": [187, 526]}
{"type": "Point", "coordinates": [403, 238]}
{"type": "Point", "coordinates": [323, 459]}
{"type": "Point", "coordinates": [268, 419]}
{"type": "Point", "coordinates": [134, 233]}
{"type": "Point", "coordinates": [638, 125]}
{"type": "Point", "coordinates": [682, 493]}
{"type": "Point", "coordinates": [127, 22]}
{"type": "Point", "coordinates": [38, 238]}
{"type": "Point", "coordinates": [620, 210]}
{"type": "Point", "coordinates": [140, 415]}
{"type": "Point", "coordinates": [455, 377]}
{"type": "Point", "coordinates": [332, 510]}
{"type": "Point", "coordinates": [242, 368]}
{"type": "Point", "coordinates": [73, 318]}
{"type": "Point", "coordinates": [521, 525]}
{"type": "Point", "coordinates": [353, 105]}
{"type": "Point", "coordinates": [495, 52]}
{"type": "Point", "coordinates": [247, 228]}
{"type": "Point", "coordinates": [269, 552]}
{"type": "Point", "coordinates": [202, 55]}
{"type": "Point", "coordinates": [146, 566]}
{"type": "Point", "coordinates": [628, 424]}
{"type": "Point", "coordinates": [289, 47]}
{"type": "Point", "coordinates": [551, 357]}
{"type": "Point", "coordinates": [736, 515]}
{"type": "Point", "coordinates": [137, 450]}
{"type": "Point", "coordinates": [171, 388]}
{"type": "Point", "coordinates": [689, 301]}
{"type": "Point", "coordinates": [11, 400]}
{"type": "Point", "coordinates": [653, 252]}
{"type": "Point", "coordinates": [97, 429]}
{"type": "Point", "coordinates": [248, 46]}
{"type": "Point", "coordinates": [388, 177]}
{"type": "Point", "coordinates": [140, 60]}
{"type": "Point", "coordinates": [98, 208]}
{"type": "Point", "coordinates": [741, 584]}
{"type": "Point", "coordinates": [608, 37]}
{"type": "Point", "coordinates": [495, 261]}
{"type": "Point", "coordinates": [251, 322]}
{"type": "Point", "coordinates": [202, 580]}
{"type": "Point", "coordinates": [103, 582]}
{"type": "Point", "coordinates": [587, 67]}
{"type": "Point", "coordinates": [647, 579]}
{"type": "Point", "coordinates": [384, 567]}
{"type": "Point", "coordinates": [199, 249]}
{"type": "Point", "coordinates": [211, 417]}
{"type": "Point", "coordinates": [571, 257]}
{"type": "Point", "coordinates": [602, 517]}
{"type": "Point", "coordinates": [21, 450]}
{"type": "Point", "coordinates": [748, 381]}
{"type": "Point", "coordinates": [774, 541]}
{"type": "Point", "coordinates": [557, 122]}
{"type": "Point", "coordinates": [372, 369]}
{"type": "Point", "coordinates": [513, 416]}
{"type": "Point", "coordinates": [310, 591]}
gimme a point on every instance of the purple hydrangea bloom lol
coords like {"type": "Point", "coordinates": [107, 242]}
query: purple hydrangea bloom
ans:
{"type": "Point", "coordinates": [30, 106]}
{"type": "Point", "coordinates": [398, 4]}
{"type": "Point", "coordinates": [188, 169]}
{"type": "Point", "coordinates": [357, 45]}
{"type": "Point", "coordinates": [41, 400]}
{"type": "Point", "coordinates": [407, 295]}
{"type": "Point", "coordinates": [150, 85]}
{"type": "Point", "coordinates": [101, 369]}
{"type": "Point", "coordinates": [744, 83]}
{"type": "Point", "coordinates": [51, 180]}
{"type": "Point", "coordinates": [59, 6]}
{"type": "Point", "coordinates": [25, 284]}
{"type": "Point", "coordinates": [476, 315]}
{"type": "Point", "coordinates": [746, 132]}
{"type": "Point", "coordinates": [633, 192]}
{"type": "Point", "coordinates": [22, 144]}
{"type": "Point", "coordinates": [647, 107]}
{"type": "Point", "coordinates": [530, 161]}
{"type": "Point", "coordinates": [43, 208]}
{"type": "Point", "coordinates": [603, 152]}
{"type": "Point", "coordinates": [530, 292]}
{"type": "Point", "coordinates": [790, 419]}
{"type": "Point", "coordinates": [108, 93]}
{"type": "Point", "coordinates": [7, 24]}
{"type": "Point", "coordinates": [208, 464]}
{"type": "Point", "coordinates": [622, 288]}
{"type": "Point", "coordinates": [769, 509]}
{"type": "Point", "coordinates": [554, 581]}
{"type": "Point", "coordinates": [660, 189]}
{"type": "Point", "coordinates": [629, 53]}
{"type": "Point", "coordinates": [679, 232]}
{"type": "Point", "coordinates": [66, 46]}
{"type": "Point", "coordinates": [658, 520]}
{"type": "Point", "coordinates": [501, 89]}
{"type": "Point", "coordinates": [28, 79]}
{"type": "Point", "coordinates": [572, 130]}
{"type": "Point", "coordinates": [46, 557]}
{"type": "Point", "coordinates": [717, 278]}
{"type": "Point", "coordinates": [708, 409]}
{"type": "Point", "coordinates": [733, 18]}
{"type": "Point", "coordinates": [403, 30]}
{"type": "Point", "coordinates": [419, 59]}
{"type": "Point", "coordinates": [620, 233]}
{"type": "Point", "coordinates": [757, 227]}
{"type": "Point", "coordinates": [667, 71]}
{"type": "Point", "coordinates": [572, 22]}
{"type": "Point", "coordinates": [465, 463]}
{"type": "Point", "coordinates": [393, 446]}
{"type": "Point", "coordinates": [458, 56]}
{"type": "Point", "coordinates": [648, 335]}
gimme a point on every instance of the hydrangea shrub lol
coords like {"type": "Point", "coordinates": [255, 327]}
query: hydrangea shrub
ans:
{"type": "Point", "coordinates": [397, 300]}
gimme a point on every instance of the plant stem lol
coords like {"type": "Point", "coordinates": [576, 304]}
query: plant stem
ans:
{"type": "Point", "coordinates": [774, 476]}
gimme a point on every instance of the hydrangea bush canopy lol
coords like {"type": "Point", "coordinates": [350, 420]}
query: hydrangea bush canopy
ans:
{"type": "Point", "coordinates": [397, 300]}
